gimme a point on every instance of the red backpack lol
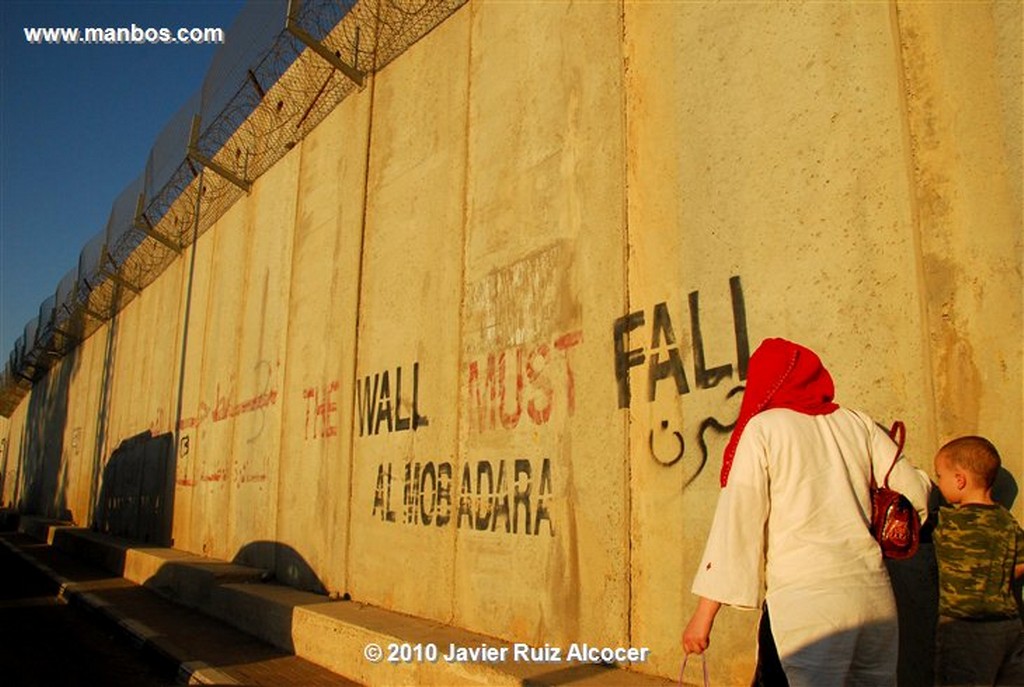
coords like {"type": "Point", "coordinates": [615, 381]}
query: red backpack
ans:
{"type": "Point", "coordinates": [894, 520]}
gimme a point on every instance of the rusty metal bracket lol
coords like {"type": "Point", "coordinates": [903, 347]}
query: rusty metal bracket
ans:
{"type": "Point", "coordinates": [215, 167]}
{"type": "Point", "coordinates": [114, 276]}
{"type": "Point", "coordinates": [357, 76]}
{"type": "Point", "coordinates": [143, 224]}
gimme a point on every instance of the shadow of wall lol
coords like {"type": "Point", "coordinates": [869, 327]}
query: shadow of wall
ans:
{"type": "Point", "coordinates": [136, 500]}
{"type": "Point", "coordinates": [1004, 492]}
{"type": "Point", "coordinates": [288, 565]}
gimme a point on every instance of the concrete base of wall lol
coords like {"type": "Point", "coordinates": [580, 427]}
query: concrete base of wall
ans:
{"type": "Point", "coordinates": [339, 635]}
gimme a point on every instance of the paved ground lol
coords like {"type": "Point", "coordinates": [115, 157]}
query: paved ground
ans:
{"type": "Point", "coordinates": [134, 638]}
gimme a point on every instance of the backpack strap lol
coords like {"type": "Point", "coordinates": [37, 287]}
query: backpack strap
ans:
{"type": "Point", "coordinates": [898, 433]}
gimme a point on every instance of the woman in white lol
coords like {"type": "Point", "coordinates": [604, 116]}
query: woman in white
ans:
{"type": "Point", "coordinates": [791, 527]}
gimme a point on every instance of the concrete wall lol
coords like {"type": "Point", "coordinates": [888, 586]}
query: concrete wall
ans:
{"type": "Point", "coordinates": [470, 350]}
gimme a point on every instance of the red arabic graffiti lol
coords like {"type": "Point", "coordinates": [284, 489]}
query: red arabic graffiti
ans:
{"type": "Point", "coordinates": [225, 408]}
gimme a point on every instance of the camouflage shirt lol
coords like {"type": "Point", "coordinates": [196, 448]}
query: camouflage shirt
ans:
{"type": "Point", "coordinates": [977, 547]}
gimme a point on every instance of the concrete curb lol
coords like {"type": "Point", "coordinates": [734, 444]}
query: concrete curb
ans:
{"type": "Point", "coordinates": [345, 637]}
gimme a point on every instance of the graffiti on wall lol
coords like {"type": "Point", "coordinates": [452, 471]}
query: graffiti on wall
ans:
{"type": "Point", "coordinates": [159, 422]}
{"type": "Point", "coordinates": [227, 406]}
{"type": "Point", "coordinates": [521, 331]}
{"type": "Point", "coordinates": [380, 408]}
{"type": "Point", "coordinates": [518, 302]}
{"type": "Point", "coordinates": [663, 363]}
{"type": "Point", "coordinates": [504, 496]}
{"type": "Point", "coordinates": [240, 474]}
{"type": "Point", "coordinates": [664, 342]}
{"type": "Point", "coordinates": [321, 410]}
{"type": "Point", "coordinates": [535, 379]}
{"type": "Point", "coordinates": [667, 446]}
{"type": "Point", "coordinates": [76, 441]}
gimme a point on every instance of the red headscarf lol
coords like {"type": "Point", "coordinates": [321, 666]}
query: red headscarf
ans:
{"type": "Point", "coordinates": [782, 374]}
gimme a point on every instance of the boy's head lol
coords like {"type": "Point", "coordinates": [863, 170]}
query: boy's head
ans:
{"type": "Point", "coordinates": [966, 464]}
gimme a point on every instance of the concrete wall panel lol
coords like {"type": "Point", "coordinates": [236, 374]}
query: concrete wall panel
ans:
{"type": "Point", "coordinates": [163, 350]}
{"type": "Point", "coordinates": [408, 338]}
{"type": "Point", "coordinates": [963, 76]}
{"type": "Point", "coordinates": [192, 412]}
{"type": "Point", "coordinates": [83, 452]}
{"type": "Point", "coordinates": [121, 362]}
{"type": "Point", "coordinates": [142, 353]}
{"type": "Point", "coordinates": [13, 458]}
{"type": "Point", "coordinates": [216, 378]}
{"type": "Point", "coordinates": [142, 358]}
{"type": "Point", "coordinates": [254, 403]}
{"type": "Point", "coordinates": [542, 439]}
{"type": "Point", "coordinates": [317, 424]}
{"type": "Point", "coordinates": [43, 478]}
{"type": "Point", "coordinates": [8, 466]}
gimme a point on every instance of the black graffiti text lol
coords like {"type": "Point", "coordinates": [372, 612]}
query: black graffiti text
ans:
{"type": "Point", "coordinates": [378, 408]}
{"type": "Point", "coordinates": [504, 496]}
{"type": "Point", "coordinates": [663, 341]}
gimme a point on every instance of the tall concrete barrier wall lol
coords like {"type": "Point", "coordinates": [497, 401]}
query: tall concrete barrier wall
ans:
{"type": "Point", "coordinates": [471, 350]}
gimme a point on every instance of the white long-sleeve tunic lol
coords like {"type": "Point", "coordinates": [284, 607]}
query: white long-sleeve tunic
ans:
{"type": "Point", "coordinates": [791, 528]}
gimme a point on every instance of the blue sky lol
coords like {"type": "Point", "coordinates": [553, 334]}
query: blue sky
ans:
{"type": "Point", "coordinates": [76, 126]}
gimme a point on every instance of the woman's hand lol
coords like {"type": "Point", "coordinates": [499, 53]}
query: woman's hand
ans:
{"type": "Point", "coordinates": [697, 635]}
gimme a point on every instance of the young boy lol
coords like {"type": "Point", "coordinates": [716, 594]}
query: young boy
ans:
{"type": "Point", "coordinates": [980, 551]}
